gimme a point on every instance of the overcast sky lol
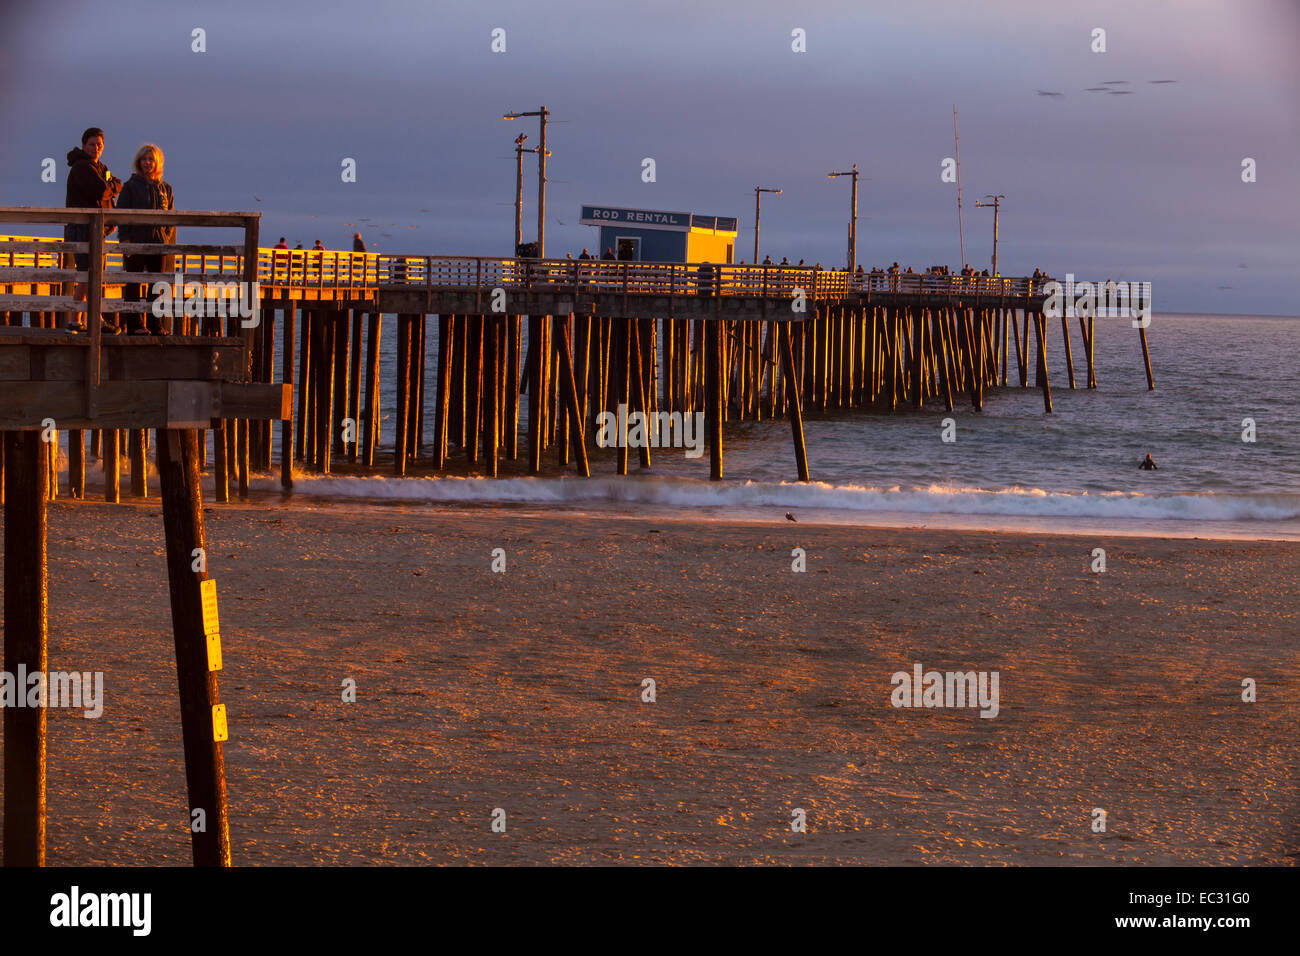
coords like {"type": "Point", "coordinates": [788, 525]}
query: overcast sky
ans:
{"type": "Point", "coordinates": [1142, 185]}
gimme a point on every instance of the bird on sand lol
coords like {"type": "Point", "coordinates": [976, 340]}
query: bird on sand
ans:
{"type": "Point", "coordinates": [790, 517]}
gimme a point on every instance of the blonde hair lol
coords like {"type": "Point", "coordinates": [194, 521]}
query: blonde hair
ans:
{"type": "Point", "coordinates": [145, 150]}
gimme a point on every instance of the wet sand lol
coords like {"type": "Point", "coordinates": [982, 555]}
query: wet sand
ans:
{"type": "Point", "coordinates": [523, 691]}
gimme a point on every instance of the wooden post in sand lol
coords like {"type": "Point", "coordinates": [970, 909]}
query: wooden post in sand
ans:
{"type": "Point", "coordinates": [112, 471]}
{"type": "Point", "coordinates": [139, 477]}
{"type": "Point", "coordinates": [198, 647]}
{"type": "Point", "coordinates": [26, 608]}
{"type": "Point", "coordinates": [76, 463]}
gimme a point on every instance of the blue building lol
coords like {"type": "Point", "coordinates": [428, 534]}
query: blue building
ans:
{"type": "Point", "coordinates": [650, 235]}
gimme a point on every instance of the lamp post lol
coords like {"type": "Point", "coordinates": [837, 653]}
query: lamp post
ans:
{"type": "Point", "coordinates": [853, 215]}
{"type": "Point", "coordinates": [758, 197]}
{"type": "Point", "coordinates": [519, 191]}
{"type": "Point", "coordinates": [996, 204]}
{"type": "Point", "coordinates": [541, 176]}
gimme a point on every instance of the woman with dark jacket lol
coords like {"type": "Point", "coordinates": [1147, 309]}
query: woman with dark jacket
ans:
{"type": "Point", "coordinates": [145, 190]}
{"type": "Point", "coordinates": [90, 186]}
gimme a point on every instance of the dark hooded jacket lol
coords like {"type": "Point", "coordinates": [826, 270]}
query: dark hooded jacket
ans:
{"type": "Point", "coordinates": [141, 193]}
{"type": "Point", "coordinates": [90, 184]}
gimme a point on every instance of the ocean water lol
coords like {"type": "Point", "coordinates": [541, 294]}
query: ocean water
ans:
{"type": "Point", "coordinates": [1012, 466]}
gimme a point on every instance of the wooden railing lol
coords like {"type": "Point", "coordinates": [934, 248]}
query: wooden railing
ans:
{"type": "Point", "coordinates": [26, 259]}
{"type": "Point", "coordinates": [348, 270]}
{"type": "Point", "coordinates": [50, 267]}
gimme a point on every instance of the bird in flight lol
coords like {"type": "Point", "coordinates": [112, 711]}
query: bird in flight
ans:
{"type": "Point", "coordinates": [1162, 81]}
{"type": "Point", "coordinates": [1049, 93]}
{"type": "Point", "coordinates": [1120, 92]}
{"type": "Point", "coordinates": [1114, 83]}
{"type": "Point", "coordinates": [258, 198]}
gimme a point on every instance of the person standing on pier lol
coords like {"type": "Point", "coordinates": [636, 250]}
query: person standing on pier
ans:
{"type": "Point", "coordinates": [358, 244]}
{"type": "Point", "coordinates": [90, 186]}
{"type": "Point", "coordinates": [145, 190]}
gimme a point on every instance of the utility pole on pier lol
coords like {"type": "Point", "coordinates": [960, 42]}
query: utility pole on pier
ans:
{"type": "Point", "coordinates": [758, 197]}
{"type": "Point", "coordinates": [997, 200]}
{"type": "Point", "coordinates": [519, 191]}
{"type": "Point", "coordinates": [853, 215]}
{"type": "Point", "coordinates": [541, 177]}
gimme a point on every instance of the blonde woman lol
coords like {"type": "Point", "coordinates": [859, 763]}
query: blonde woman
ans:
{"type": "Point", "coordinates": [145, 190]}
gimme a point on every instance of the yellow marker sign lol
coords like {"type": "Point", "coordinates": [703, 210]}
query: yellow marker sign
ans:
{"type": "Point", "coordinates": [208, 594]}
{"type": "Point", "coordinates": [214, 652]}
{"type": "Point", "coordinates": [219, 730]}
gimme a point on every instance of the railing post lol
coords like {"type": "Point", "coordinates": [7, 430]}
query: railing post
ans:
{"type": "Point", "coordinates": [94, 301]}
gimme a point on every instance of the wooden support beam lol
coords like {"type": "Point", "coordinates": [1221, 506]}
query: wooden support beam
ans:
{"type": "Point", "coordinates": [491, 436]}
{"type": "Point", "coordinates": [287, 378]}
{"type": "Point", "coordinates": [569, 391]}
{"type": "Point", "coordinates": [1069, 353]}
{"type": "Point", "coordinates": [639, 391]}
{"type": "Point", "coordinates": [443, 399]}
{"type": "Point", "coordinates": [139, 466]}
{"type": "Point", "coordinates": [474, 384]}
{"type": "Point", "coordinates": [402, 378]}
{"type": "Point", "coordinates": [353, 411]}
{"type": "Point", "coordinates": [197, 642]}
{"type": "Point", "coordinates": [340, 336]}
{"type": "Point", "coordinates": [76, 463]}
{"type": "Point", "coordinates": [26, 610]}
{"type": "Point", "coordinates": [1040, 326]}
{"type": "Point", "coordinates": [1146, 357]}
{"type": "Point", "coordinates": [372, 415]}
{"type": "Point", "coordinates": [533, 376]}
{"type": "Point", "coordinates": [513, 347]}
{"type": "Point", "coordinates": [111, 467]}
{"type": "Point", "coordinates": [796, 409]}
{"type": "Point", "coordinates": [713, 374]}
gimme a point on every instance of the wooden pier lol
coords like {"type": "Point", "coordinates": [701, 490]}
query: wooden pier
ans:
{"type": "Point", "coordinates": [576, 337]}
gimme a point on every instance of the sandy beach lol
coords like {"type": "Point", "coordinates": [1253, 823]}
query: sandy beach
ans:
{"type": "Point", "coordinates": [523, 691]}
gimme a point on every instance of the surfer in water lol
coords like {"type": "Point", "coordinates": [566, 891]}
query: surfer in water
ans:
{"type": "Point", "coordinates": [1148, 464]}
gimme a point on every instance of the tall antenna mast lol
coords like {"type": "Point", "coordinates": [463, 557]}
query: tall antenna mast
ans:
{"type": "Point", "coordinates": [961, 237]}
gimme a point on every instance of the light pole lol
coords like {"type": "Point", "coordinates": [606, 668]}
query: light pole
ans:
{"type": "Point", "coordinates": [758, 197]}
{"type": "Point", "coordinates": [853, 218]}
{"type": "Point", "coordinates": [541, 177]}
{"type": "Point", "coordinates": [519, 191]}
{"type": "Point", "coordinates": [996, 204]}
